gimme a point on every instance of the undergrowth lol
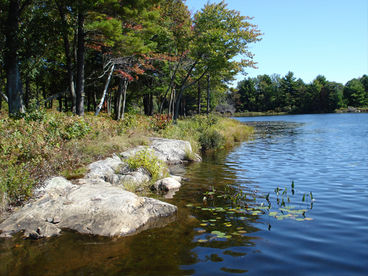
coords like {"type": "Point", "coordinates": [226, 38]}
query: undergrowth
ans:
{"type": "Point", "coordinates": [208, 132]}
{"type": "Point", "coordinates": [44, 143]}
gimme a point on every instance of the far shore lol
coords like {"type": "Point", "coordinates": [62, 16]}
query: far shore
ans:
{"type": "Point", "coordinates": [274, 113]}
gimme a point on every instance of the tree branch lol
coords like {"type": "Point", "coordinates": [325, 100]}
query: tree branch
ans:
{"type": "Point", "coordinates": [4, 96]}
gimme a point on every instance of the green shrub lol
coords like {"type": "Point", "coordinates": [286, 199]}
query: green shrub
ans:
{"type": "Point", "coordinates": [129, 121]}
{"type": "Point", "coordinates": [147, 160]}
{"type": "Point", "coordinates": [211, 139]}
{"type": "Point", "coordinates": [15, 182]}
{"type": "Point", "coordinates": [34, 112]}
{"type": "Point", "coordinates": [71, 174]}
{"type": "Point", "coordinates": [75, 130]}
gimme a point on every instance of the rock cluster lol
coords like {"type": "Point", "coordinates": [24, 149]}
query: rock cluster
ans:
{"type": "Point", "coordinates": [99, 203]}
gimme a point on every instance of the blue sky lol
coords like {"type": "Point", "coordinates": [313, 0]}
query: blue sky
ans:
{"type": "Point", "coordinates": [307, 37]}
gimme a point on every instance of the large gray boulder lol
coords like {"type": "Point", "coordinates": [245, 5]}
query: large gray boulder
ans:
{"type": "Point", "coordinates": [170, 151]}
{"type": "Point", "coordinates": [107, 168]}
{"type": "Point", "coordinates": [173, 151]}
{"type": "Point", "coordinates": [97, 208]}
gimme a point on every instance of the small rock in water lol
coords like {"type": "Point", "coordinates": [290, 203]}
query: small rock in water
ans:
{"type": "Point", "coordinates": [167, 184]}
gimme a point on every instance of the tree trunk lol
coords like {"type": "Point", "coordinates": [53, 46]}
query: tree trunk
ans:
{"type": "Point", "coordinates": [14, 84]}
{"type": "Point", "coordinates": [68, 57]}
{"type": "Point", "coordinates": [94, 99]}
{"type": "Point", "coordinates": [199, 99]}
{"type": "Point", "coordinates": [171, 84]}
{"type": "Point", "coordinates": [170, 102]}
{"type": "Point", "coordinates": [108, 102]}
{"type": "Point", "coordinates": [27, 95]}
{"type": "Point", "coordinates": [148, 104]}
{"type": "Point", "coordinates": [173, 102]}
{"type": "Point", "coordinates": [1, 95]}
{"type": "Point", "coordinates": [183, 109]}
{"type": "Point", "coordinates": [105, 91]}
{"type": "Point", "coordinates": [80, 65]}
{"type": "Point", "coordinates": [89, 102]}
{"type": "Point", "coordinates": [118, 100]}
{"type": "Point", "coordinates": [66, 108]}
{"type": "Point", "coordinates": [177, 103]}
{"type": "Point", "coordinates": [183, 87]}
{"type": "Point", "coordinates": [208, 93]}
{"type": "Point", "coordinates": [125, 87]}
{"type": "Point", "coordinates": [60, 103]}
{"type": "Point", "coordinates": [44, 94]}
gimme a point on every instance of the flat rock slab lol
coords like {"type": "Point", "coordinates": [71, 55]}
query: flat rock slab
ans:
{"type": "Point", "coordinates": [96, 207]}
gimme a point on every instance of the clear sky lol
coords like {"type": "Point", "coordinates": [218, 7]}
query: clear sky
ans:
{"type": "Point", "coordinates": [307, 37]}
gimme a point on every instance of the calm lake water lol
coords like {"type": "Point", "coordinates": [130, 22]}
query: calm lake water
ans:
{"type": "Point", "coordinates": [254, 221]}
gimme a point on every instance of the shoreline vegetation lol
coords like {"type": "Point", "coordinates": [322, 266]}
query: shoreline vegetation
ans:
{"type": "Point", "coordinates": [51, 143]}
{"type": "Point", "coordinates": [275, 113]}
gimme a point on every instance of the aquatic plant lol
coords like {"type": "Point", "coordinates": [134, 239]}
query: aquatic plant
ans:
{"type": "Point", "coordinates": [237, 207]}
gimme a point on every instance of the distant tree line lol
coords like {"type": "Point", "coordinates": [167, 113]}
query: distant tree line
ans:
{"type": "Point", "coordinates": [288, 94]}
{"type": "Point", "coordinates": [119, 55]}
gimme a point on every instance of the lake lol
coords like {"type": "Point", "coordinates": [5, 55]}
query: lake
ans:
{"type": "Point", "coordinates": [291, 201]}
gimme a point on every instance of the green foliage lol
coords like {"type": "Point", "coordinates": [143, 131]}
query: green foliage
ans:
{"type": "Point", "coordinates": [71, 174]}
{"type": "Point", "coordinates": [356, 93]}
{"type": "Point", "coordinates": [75, 129]}
{"type": "Point", "coordinates": [34, 112]}
{"type": "Point", "coordinates": [148, 160]}
{"type": "Point", "coordinates": [211, 139]}
{"type": "Point", "coordinates": [15, 181]}
{"type": "Point", "coordinates": [208, 132]}
{"type": "Point", "coordinates": [46, 143]}
{"type": "Point", "coordinates": [288, 94]}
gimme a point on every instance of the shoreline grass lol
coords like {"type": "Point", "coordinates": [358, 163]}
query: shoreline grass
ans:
{"type": "Point", "coordinates": [45, 144]}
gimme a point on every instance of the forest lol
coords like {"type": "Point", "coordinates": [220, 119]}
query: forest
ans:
{"type": "Point", "coordinates": [292, 95]}
{"type": "Point", "coordinates": [146, 56]}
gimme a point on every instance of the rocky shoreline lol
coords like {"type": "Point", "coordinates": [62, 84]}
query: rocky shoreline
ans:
{"type": "Point", "coordinates": [99, 203]}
